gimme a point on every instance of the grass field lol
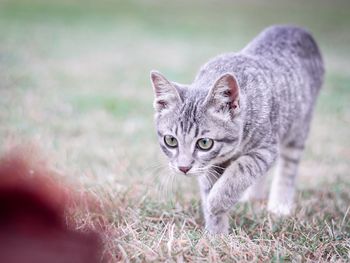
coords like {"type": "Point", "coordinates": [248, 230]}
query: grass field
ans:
{"type": "Point", "coordinates": [74, 78]}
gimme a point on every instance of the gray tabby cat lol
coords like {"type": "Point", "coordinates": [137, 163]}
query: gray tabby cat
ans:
{"type": "Point", "coordinates": [242, 112]}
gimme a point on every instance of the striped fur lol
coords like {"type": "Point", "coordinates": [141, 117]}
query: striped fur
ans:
{"type": "Point", "coordinates": [256, 105]}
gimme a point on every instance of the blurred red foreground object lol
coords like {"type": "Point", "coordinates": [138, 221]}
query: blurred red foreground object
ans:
{"type": "Point", "coordinates": [32, 224]}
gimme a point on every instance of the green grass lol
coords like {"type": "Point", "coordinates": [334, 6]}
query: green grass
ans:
{"type": "Point", "coordinates": [335, 100]}
{"type": "Point", "coordinates": [74, 78]}
{"type": "Point", "coordinates": [118, 107]}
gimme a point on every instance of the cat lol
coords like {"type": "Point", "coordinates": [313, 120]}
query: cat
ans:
{"type": "Point", "coordinates": [242, 112]}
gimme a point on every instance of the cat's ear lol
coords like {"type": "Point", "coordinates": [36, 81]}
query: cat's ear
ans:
{"type": "Point", "coordinates": [224, 95]}
{"type": "Point", "coordinates": [166, 94]}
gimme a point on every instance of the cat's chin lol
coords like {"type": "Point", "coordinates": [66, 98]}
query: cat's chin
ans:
{"type": "Point", "coordinates": [179, 173]}
{"type": "Point", "coordinates": [190, 175]}
{"type": "Point", "coordinates": [186, 174]}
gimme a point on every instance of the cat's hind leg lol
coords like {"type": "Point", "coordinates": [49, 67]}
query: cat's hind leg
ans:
{"type": "Point", "coordinates": [281, 197]}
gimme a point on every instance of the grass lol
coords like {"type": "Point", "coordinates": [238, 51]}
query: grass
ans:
{"type": "Point", "coordinates": [75, 79]}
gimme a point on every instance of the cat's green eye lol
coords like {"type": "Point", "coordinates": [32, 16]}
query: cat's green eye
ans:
{"type": "Point", "coordinates": [205, 144]}
{"type": "Point", "coordinates": [170, 141]}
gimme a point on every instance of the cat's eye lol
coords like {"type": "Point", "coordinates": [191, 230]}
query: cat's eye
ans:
{"type": "Point", "coordinates": [170, 141]}
{"type": "Point", "coordinates": [205, 144]}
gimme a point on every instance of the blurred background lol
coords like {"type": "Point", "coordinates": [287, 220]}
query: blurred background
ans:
{"type": "Point", "coordinates": [74, 77]}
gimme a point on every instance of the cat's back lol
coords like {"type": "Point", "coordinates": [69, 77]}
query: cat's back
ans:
{"type": "Point", "coordinates": [289, 52]}
{"type": "Point", "coordinates": [283, 40]}
{"type": "Point", "coordinates": [279, 51]}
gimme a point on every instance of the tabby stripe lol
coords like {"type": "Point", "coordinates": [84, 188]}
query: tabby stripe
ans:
{"type": "Point", "coordinates": [213, 154]}
{"type": "Point", "coordinates": [241, 168]}
{"type": "Point", "coordinates": [226, 140]}
{"type": "Point", "coordinates": [258, 159]}
{"type": "Point", "coordinates": [183, 109]}
{"type": "Point", "coordinates": [166, 151]}
{"type": "Point", "coordinates": [204, 132]}
{"type": "Point", "coordinates": [196, 131]}
{"type": "Point", "coordinates": [190, 127]}
{"type": "Point", "coordinates": [289, 159]}
{"type": "Point", "coordinates": [295, 146]}
{"type": "Point", "coordinates": [254, 144]}
{"type": "Point", "coordinates": [250, 171]}
{"type": "Point", "coordinates": [189, 110]}
{"type": "Point", "coordinates": [262, 161]}
{"type": "Point", "coordinates": [225, 153]}
{"type": "Point", "coordinates": [194, 112]}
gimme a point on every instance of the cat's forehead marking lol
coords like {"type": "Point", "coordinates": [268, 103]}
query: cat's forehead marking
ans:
{"type": "Point", "coordinates": [188, 117]}
{"type": "Point", "coordinates": [204, 131]}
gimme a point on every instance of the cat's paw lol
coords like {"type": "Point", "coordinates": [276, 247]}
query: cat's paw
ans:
{"type": "Point", "coordinates": [280, 209]}
{"type": "Point", "coordinates": [217, 224]}
{"type": "Point", "coordinates": [281, 202]}
{"type": "Point", "coordinates": [215, 204]}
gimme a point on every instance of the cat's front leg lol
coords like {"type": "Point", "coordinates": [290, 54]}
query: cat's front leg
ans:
{"type": "Point", "coordinates": [214, 224]}
{"type": "Point", "coordinates": [238, 176]}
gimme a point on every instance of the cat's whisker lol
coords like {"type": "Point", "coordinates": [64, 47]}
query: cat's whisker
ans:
{"type": "Point", "coordinates": [155, 168]}
{"type": "Point", "coordinates": [215, 173]}
{"type": "Point", "coordinates": [200, 170]}
{"type": "Point", "coordinates": [210, 180]}
{"type": "Point", "coordinates": [213, 176]}
{"type": "Point", "coordinates": [217, 167]}
{"type": "Point", "coordinates": [170, 180]}
{"type": "Point", "coordinates": [173, 176]}
{"type": "Point", "coordinates": [159, 174]}
{"type": "Point", "coordinates": [160, 186]}
{"type": "Point", "coordinates": [173, 167]}
{"type": "Point", "coordinates": [164, 186]}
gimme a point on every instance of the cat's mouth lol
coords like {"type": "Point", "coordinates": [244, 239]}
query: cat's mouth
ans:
{"type": "Point", "coordinates": [188, 172]}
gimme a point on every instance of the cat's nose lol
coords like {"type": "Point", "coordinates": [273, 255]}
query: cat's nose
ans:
{"type": "Point", "coordinates": [184, 169]}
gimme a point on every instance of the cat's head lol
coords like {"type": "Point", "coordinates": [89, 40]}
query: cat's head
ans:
{"type": "Point", "coordinates": [198, 128]}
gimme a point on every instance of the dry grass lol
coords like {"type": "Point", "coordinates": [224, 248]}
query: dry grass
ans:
{"type": "Point", "coordinates": [74, 79]}
{"type": "Point", "coordinates": [146, 229]}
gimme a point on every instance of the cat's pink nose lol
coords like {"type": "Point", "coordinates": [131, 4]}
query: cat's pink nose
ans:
{"type": "Point", "coordinates": [184, 169]}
